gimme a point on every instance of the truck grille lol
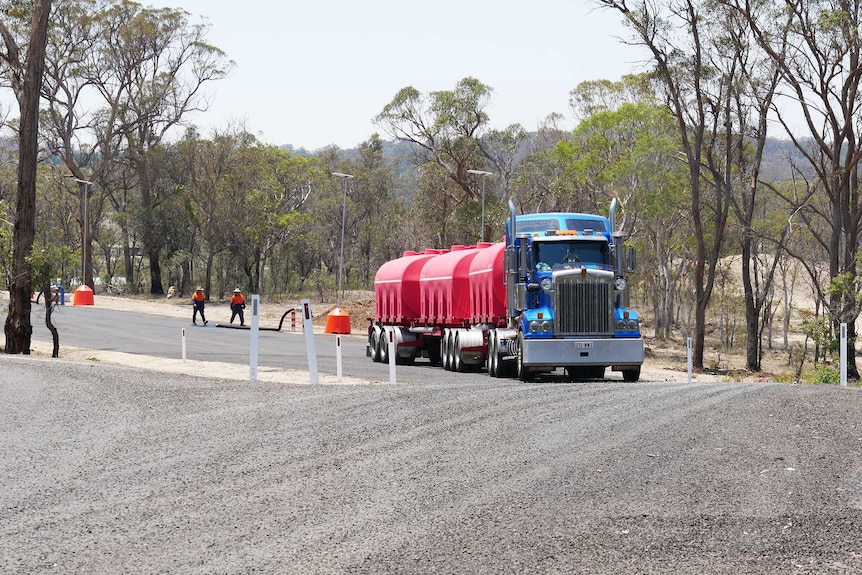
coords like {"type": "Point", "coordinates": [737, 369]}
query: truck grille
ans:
{"type": "Point", "coordinates": [584, 304]}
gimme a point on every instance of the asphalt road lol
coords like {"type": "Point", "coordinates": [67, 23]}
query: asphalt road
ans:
{"type": "Point", "coordinates": [161, 336]}
{"type": "Point", "coordinates": [104, 469]}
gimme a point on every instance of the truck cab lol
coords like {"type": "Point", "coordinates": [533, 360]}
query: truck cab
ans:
{"type": "Point", "coordinates": [568, 297]}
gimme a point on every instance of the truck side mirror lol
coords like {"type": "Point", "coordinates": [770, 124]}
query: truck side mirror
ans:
{"type": "Point", "coordinates": [631, 260]}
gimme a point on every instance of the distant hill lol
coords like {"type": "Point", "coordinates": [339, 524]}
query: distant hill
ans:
{"type": "Point", "coordinates": [778, 158]}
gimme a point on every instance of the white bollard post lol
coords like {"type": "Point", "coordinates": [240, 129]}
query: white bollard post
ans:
{"type": "Point", "coordinates": [293, 320]}
{"type": "Point", "coordinates": [255, 336]}
{"type": "Point", "coordinates": [391, 334]}
{"type": "Point", "coordinates": [688, 348]}
{"type": "Point", "coordinates": [184, 344]}
{"type": "Point", "coordinates": [338, 357]}
{"type": "Point", "coordinates": [309, 342]}
{"type": "Point", "coordinates": [843, 377]}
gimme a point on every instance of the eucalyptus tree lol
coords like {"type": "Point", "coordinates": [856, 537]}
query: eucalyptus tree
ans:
{"type": "Point", "coordinates": [67, 135]}
{"type": "Point", "coordinates": [815, 46]}
{"type": "Point", "coordinates": [375, 205]}
{"type": "Point", "coordinates": [538, 183]}
{"type": "Point", "coordinates": [123, 76]}
{"type": "Point", "coordinates": [266, 196]}
{"type": "Point", "coordinates": [677, 35]}
{"type": "Point", "coordinates": [749, 107]}
{"type": "Point", "coordinates": [206, 170]}
{"type": "Point", "coordinates": [450, 134]}
{"type": "Point", "coordinates": [626, 146]}
{"type": "Point", "coordinates": [22, 65]}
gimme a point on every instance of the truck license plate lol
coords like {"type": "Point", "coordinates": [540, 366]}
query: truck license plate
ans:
{"type": "Point", "coordinates": [583, 344]}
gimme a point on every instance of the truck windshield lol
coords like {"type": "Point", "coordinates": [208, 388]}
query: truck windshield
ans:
{"type": "Point", "coordinates": [570, 255]}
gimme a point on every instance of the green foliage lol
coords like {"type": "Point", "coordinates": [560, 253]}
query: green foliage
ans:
{"type": "Point", "coordinates": [45, 262]}
{"type": "Point", "coordinates": [821, 373]}
{"type": "Point", "coordinates": [819, 329]}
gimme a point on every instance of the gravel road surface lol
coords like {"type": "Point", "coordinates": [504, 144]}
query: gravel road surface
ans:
{"type": "Point", "coordinates": [106, 469]}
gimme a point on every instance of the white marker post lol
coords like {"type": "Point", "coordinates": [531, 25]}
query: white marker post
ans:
{"type": "Point", "coordinates": [688, 349]}
{"type": "Point", "coordinates": [184, 344]}
{"type": "Point", "coordinates": [255, 336]}
{"type": "Point", "coordinates": [843, 377]}
{"type": "Point", "coordinates": [338, 357]}
{"type": "Point", "coordinates": [309, 341]}
{"type": "Point", "coordinates": [391, 334]}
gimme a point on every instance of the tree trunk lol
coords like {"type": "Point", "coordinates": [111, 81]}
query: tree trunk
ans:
{"type": "Point", "coordinates": [752, 313]}
{"type": "Point", "coordinates": [185, 276]}
{"type": "Point", "coordinates": [127, 262]}
{"type": "Point", "coordinates": [18, 329]}
{"type": "Point", "coordinates": [209, 272]}
{"type": "Point", "coordinates": [155, 274]}
{"type": "Point", "coordinates": [49, 309]}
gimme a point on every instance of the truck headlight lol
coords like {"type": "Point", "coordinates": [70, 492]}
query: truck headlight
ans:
{"type": "Point", "coordinates": [541, 326]}
{"type": "Point", "coordinates": [620, 284]}
{"type": "Point", "coordinates": [627, 325]}
{"type": "Point", "coordinates": [547, 285]}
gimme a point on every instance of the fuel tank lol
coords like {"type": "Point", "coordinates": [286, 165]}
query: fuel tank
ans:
{"type": "Point", "coordinates": [444, 285]}
{"type": "Point", "coordinates": [488, 285]}
{"type": "Point", "coordinates": [396, 288]}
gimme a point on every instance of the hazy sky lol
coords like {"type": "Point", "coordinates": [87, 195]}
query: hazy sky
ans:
{"type": "Point", "coordinates": [315, 73]}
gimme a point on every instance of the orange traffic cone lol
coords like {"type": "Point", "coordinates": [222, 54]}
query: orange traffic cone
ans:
{"type": "Point", "coordinates": [337, 321]}
{"type": "Point", "coordinates": [83, 296]}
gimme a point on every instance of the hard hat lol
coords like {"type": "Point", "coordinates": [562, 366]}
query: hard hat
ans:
{"type": "Point", "coordinates": [237, 290]}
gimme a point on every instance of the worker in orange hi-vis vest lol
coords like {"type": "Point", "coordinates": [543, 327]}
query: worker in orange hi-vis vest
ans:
{"type": "Point", "coordinates": [237, 304]}
{"type": "Point", "coordinates": [198, 299]}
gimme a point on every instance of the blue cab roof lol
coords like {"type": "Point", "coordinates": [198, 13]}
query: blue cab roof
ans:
{"type": "Point", "coordinates": [541, 224]}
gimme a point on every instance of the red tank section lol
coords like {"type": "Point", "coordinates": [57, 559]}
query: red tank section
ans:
{"type": "Point", "coordinates": [396, 288]}
{"type": "Point", "coordinates": [445, 287]}
{"type": "Point", "coordinates": [488, 285]}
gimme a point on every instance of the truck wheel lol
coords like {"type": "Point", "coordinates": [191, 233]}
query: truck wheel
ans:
{"type": "Point", "coordinates": [444, 350]}
{"type": "Point", "coordinates": [632, 374]}
{"type": "Point", "coordinates": [457, 364]}
{"type": "Point", "coordinates": [374, 343]}
{"type": "Point", "coordinates": [383, 346]}
{"type": "Point", "coordinates": [493, 359]}
{"type": "Point", "coordinates": [597, 372]}
{"type": "Point", "coordinates": [434, 355]}
{"type": "Point", "coordinates": [524, 373]}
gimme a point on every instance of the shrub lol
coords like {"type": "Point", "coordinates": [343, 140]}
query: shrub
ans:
{"type": "Point", "coordinates": [821, 373]}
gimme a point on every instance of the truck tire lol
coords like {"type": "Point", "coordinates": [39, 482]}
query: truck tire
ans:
{"type": "Point", "coordinates": [493, 358]}
{"type": "Point", "coordinates": [401, 360]}
{"type": "Point", "coordinates": [383, 346]}
{"type": "Point", "coordinates": [632, 374]}
{"type": "Point", "coordinates": [444, 350]}
{"type": "Point", "coordinates": [434, 355]}
{"type": "Point", "coordinates": [457, 364]}
{"type": "Point", "coordinates": [374, 343]}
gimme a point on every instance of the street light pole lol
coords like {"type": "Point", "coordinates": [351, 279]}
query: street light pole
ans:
{"type": "Point", "coordinates": [85, 189]}
{"type": "Point", "coordinates": [344, 178]}
{"type": "Point", "coordinates": [483, 174]}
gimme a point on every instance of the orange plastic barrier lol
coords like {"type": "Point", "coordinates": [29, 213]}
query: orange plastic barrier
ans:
{"type": "Point", "coordinates": [337, 321]}
{"type": "Point", "coordinates": [83, 296]}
